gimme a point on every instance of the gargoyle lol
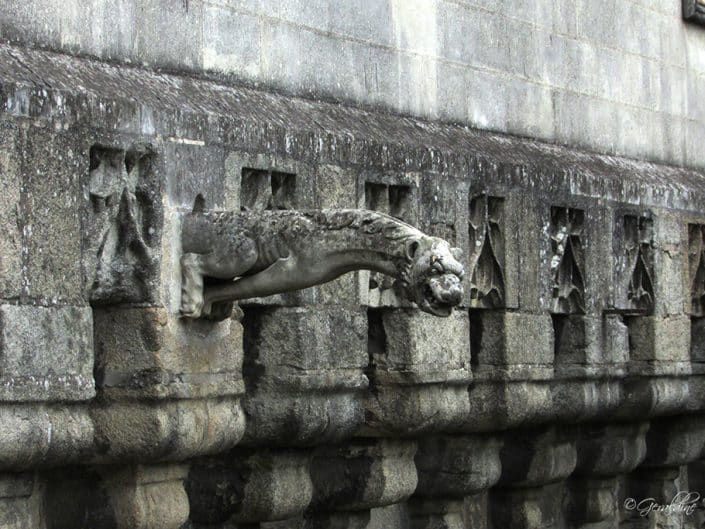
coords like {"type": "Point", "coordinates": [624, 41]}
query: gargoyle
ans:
{"type": "Point", "coordinates": [254, 254]}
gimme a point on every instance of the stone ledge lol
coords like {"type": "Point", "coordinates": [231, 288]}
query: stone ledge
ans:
{"type": "Point", "coordinates": [76, 91]}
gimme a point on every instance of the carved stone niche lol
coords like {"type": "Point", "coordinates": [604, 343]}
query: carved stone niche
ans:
{"type": "Point", "coordinates": [696, 277]}
{"type": "Point", "coordinates": [637, 272]}
{"type": "Point", "coordinates": [634, 294]}
{"type": "Point", "coordinates": [576, 336]}
{"type": "Point", "coordinates": [122, 226]}
{"type": "Point", "coordinates": [651, 293]}
{"type": "Point", "coordinates": [258, 182]}
{"type": "Point", "coordinates": [503, 343]}
{"type": "Point", "coordinates": [486, 254]}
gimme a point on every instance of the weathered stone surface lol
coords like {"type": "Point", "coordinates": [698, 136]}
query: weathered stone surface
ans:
{"type": "Point", "coordinates": [578, 400]}
{"type": "Point", "coordinates": [535, 458]}
{"type": "Point", "coordinates": [519, 403]}
{"type": "Point", "coordinates": [192, 169]}
{"type": "Point", "coordinates": [170, 390]}
{"type": "Point", "coordinates": [419, 372]}
{"type": "Point", "coordinates": [172, 430]}
{"type": "Point", "coordinates": [610, 450]}
{"type": "Point", "coordinates": [363, 474]}
{"type": "Point", "coordinates": [247, 486]}
{"type": "Point", "coordinates": [616, 340]}
{"type": "Point", "coordinates": [304, 374]}
{"type": "Point", "coordinates": [660, 345]}
{"type": "Point", "coordinates": [148, 353]}
{"type": "Point", "coordinates": [418, 348]}
{"type": "Point", "coordinates": [526, 508]}
{"type": "Point", "coordinates": [37, 435]}
{"type": "Point", "coordinates": [656, 396]}
{"type": "Point", "coordinates": [46, 353]}
{"type": "Point", "coordinates": [512, 345]}
{"type": "Point", "coordinates": [577, 344]}
{"type": "Point", "coordinates": [10, 213]}
{"type": "Point", "coordinates": [457, 466]}
{"type": "Point", "coordinates": [670, 263]}
{"type": "Point", "coordinates": [697, 343]}
{"type": "Point", "coordinates": [19, 507]}
{"type": "Point", "coordinates": [572, 101]}
{"type": "Point", "coordinates": [604, 452]}
{"type": "Point", "coordinates": [52, 163]}
{"type": "Point", "coordinates": [129, 497]}
{"type": "Point", "coordinates": [530, 489]}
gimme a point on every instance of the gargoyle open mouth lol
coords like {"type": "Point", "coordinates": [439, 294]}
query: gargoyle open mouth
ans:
{"type": "Point", "coordinates": [440, 294]}
{"type": "Point", "coordinates": [436, 307]}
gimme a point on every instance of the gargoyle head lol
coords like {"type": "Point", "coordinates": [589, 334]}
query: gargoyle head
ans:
{"type": "Point", "coordinates": [433, 275]}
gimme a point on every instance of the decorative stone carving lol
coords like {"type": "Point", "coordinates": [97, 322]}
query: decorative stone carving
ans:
{"type": "Point", "coordinates": [568, 261]}
{"type": "Point", "coordinates": [696, 277]}
{"type": "Point", "coordinates": [696, 265]}
{"type": "Point", "coordinates": [486, 252]}
{"type": "Point", "coordinates": [121, 226]}
{"type": "Point", "coordinates": [638, 240]}
{"type": "Point", "coordinates": [271, 252]}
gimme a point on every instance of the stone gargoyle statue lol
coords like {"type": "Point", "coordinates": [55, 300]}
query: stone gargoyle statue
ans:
{"type": "Point", "coordinates": [229, 256]}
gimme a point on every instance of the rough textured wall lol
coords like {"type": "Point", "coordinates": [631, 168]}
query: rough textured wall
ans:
{"type": "Point", "coordinates": [615, 76]}
{"type": "Point", "coordinates": [569, 380]}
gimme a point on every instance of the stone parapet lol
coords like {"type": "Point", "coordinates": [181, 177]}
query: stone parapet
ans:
{"type": "Point", "coordinates": [568, 379]}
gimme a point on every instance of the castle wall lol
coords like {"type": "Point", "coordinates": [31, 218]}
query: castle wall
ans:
{"type": "Point", "coordinates": [569, 380]}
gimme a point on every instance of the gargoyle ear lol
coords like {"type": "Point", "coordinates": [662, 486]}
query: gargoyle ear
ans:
{"type": "Point", "coordinates": [411, 249]}
{"type": "Point", "coordinates": [457, 253]}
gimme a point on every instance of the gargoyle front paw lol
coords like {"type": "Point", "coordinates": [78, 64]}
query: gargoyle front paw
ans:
{"type": "Point", "coordinates": [190, 310]}
{"type": "Point", "coordinates": [218, 311]}
{"type": "Point", "coordinates": [190, 307]}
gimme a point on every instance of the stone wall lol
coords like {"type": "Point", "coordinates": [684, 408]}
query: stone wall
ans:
{"type": "Point", "coordinates": [570, 380]}
{"type": "Point", "coordinates": [612, 76]}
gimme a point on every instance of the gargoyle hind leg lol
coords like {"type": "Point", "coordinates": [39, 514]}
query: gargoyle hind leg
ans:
{"type": "Point", "coordinates": [224, 265]}
{"type": "Point", "coordinates": [281, 276]}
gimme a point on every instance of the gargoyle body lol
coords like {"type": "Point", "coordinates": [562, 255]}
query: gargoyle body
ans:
{"type": "Point", "coordinates": [253, 254]}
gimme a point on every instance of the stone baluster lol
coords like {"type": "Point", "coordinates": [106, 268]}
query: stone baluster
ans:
{"type": "Point", "coordinates": [125, 497]}
{"type": "Point", "coordinates": [20, 506]}
{"type": "Point", "coordinates": [453, 471]}
{"type": "Point", "coordinates": [671, 444]}
{"type": "Point", "coordinates": [355, 483]}
{"type": "Point", "coordinates": [248, 486]}
{"type": "Point", "coordinates": [604, 452]}
{"type": "Point", "coordinates": [531, 489]}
